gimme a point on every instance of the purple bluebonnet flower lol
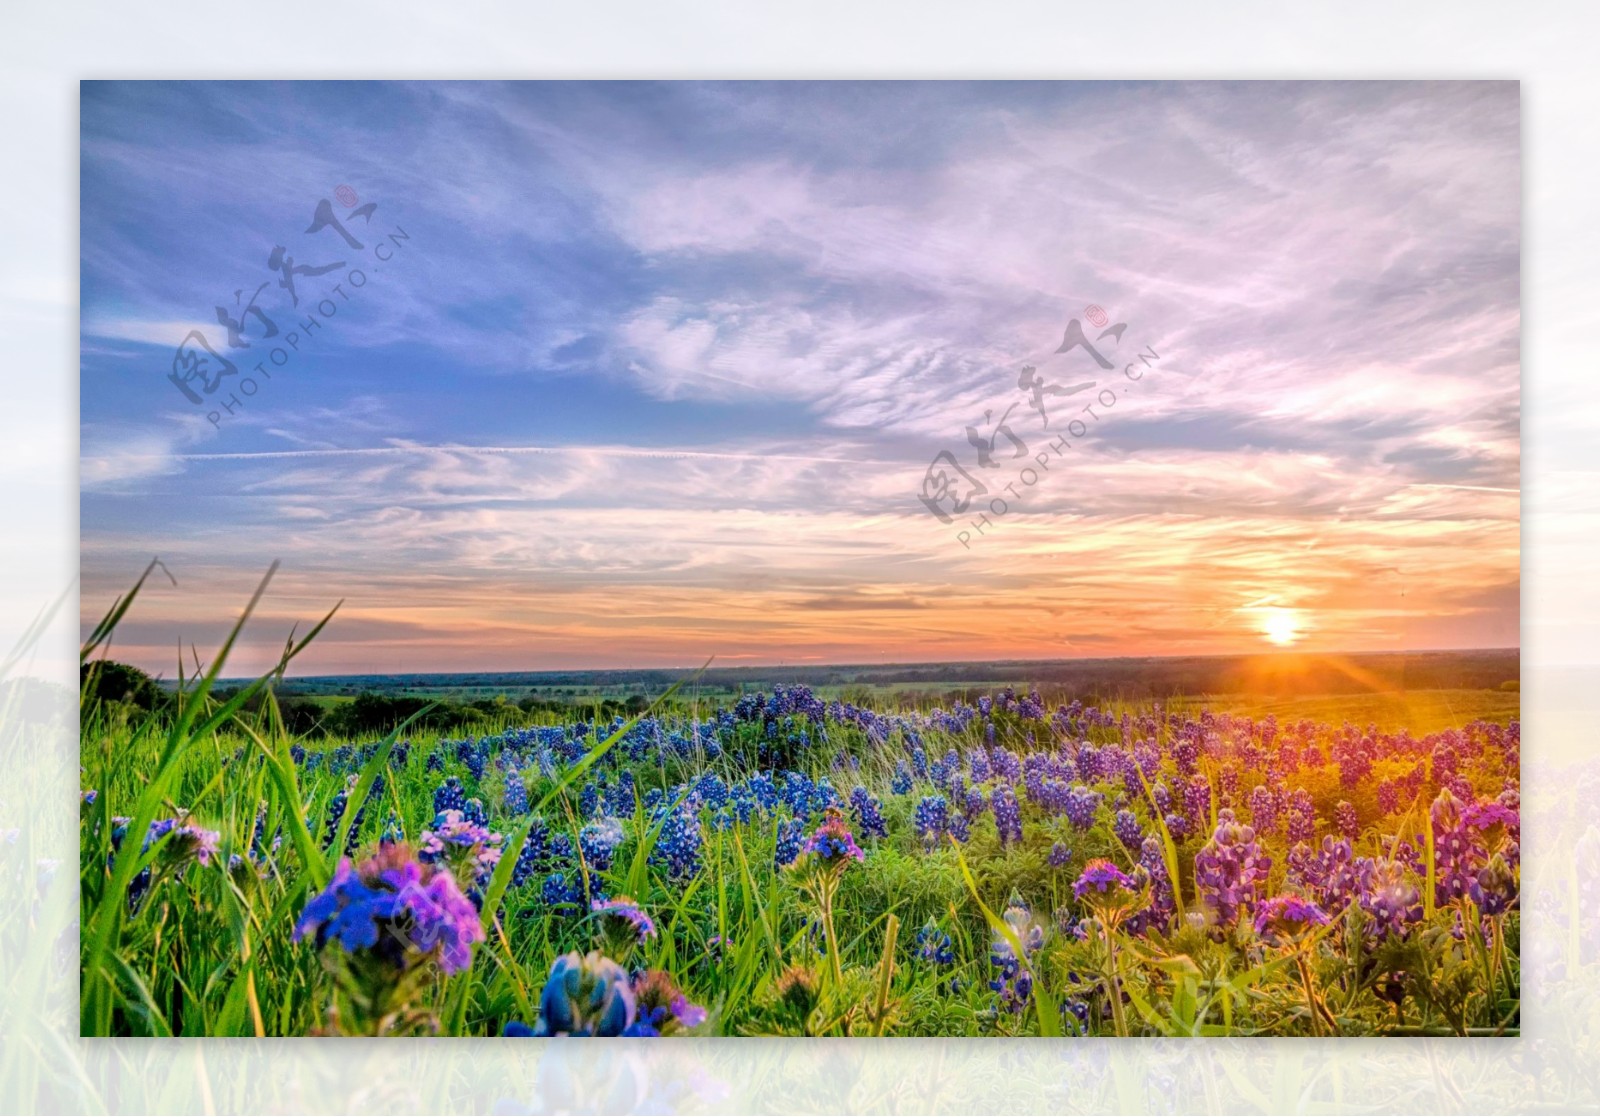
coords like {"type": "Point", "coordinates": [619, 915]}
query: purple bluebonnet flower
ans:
{"type": "Point", "coordinates": [932, 820]}
{"type": "Point", "coordinates": [620, 797]}
{"type": "Point", "coordinates": [394, 830]}
{"type": "Point", "coordinates": [1070, 922]}
{"type": "Point", "coordinates": [972, 806]}
{"type": "Point", "coordinates": [395, 909]}
{"type": "Point", "coordinates": [599, 841]}
{"type": "Point", "coordinates": [1197, 800]}
{"type": "Point", "coordinates": [869, 813]}
{"type": "Point", "coordinates": [763, 790]}
{"type": "Point", "coordinates": [1036, 781]}
{"type": "Point", "coordinates": [584, 996]}
{"type": "Point", "coordinates": [1329, 874]}
{"type": "Point", "coordinates": [1007, 815]}
{"type": "Point", "coordinates": [1445, 762]}
{"type": "Point", "coordinates": [449, 796]}
{"type": "Point", "coordinates": [535, 851]}
{"type": "Point", "coordinates": [1302, 817]}
{"type": "Point", "coordinates": [336, 809]}
{"type": "Point", "coordinates": [185, 843]}
{"type": "Point", "coordinates": [798, 792]}
{"type": "Point", "coordinates": [1081, 806]}
{"type": "Point", "coordinates": [588, 800]}
{"type": "Point", "coordinates": [1015, 981]}
{"type": "Point", "coordinates": [1231, 869]}
{"type": "Point", "coordinates": [978, 764]}
{"type": "Point", "coordinates": [1186, 753]}
{"type": "Point", "coordinates": [1494, 888]}
{"type": "Point", "coordinates": [516, 796]}
{"type": "Point", "coordinates": [1389, 897]}
{"type": "Point", "coordinates": [901, 784]}
{"type": "Point", "coordinates": [711, 791]}
{"type": "Point", "coordinates": [1128, 830]}
{"type": "Point", "coordinates": [1228, 792]}
{"type": "Point", "coordinates": [1287, 917]}
{"type": "Point", "coordinates": [791, 834]}
{"type": "Point", "coordinates": [919, 762]}
{"type": "Point", "coordinates": [678, 843]}
{"type": "Point", "coordinates": [933, 945]}
{"type": "Point", "coordinates": [1163, 904]}
{"type": "Point", "coordinates": [1007, 765]}
{"type": "Point", "coordinates": [1346, 819]}
{"type": "Point", "coordinates": [1059, 855]}
{"type": "Point", "coordinates": [1263, 810]}
{"type": "Point", "coordinates": [1147, 755]}
{"type": "Point", "coordinates": [1087, 760]}
{"type": "Point", "coordinates": [960, 827]}
{"type": "Point", "coordinates": [624, 918]}
{"type": "Point", "coordinates": [1388, 797]}
{"type": "Point", "coordinates": [1354, 768]}
{"type": "Point", "coordinates": [1163, 798]}
{"type": "Point", "coordinates": [1457, 850]}
{"type": "Point", "coordinates": [557, 894]}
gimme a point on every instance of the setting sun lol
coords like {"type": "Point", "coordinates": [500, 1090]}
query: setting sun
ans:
{"type": "Point", "coordinates": [1280, 626]}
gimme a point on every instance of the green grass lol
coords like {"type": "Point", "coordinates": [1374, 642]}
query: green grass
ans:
{"type": "Point", "coordinates": [210, 952]}
{"type": "Point", "coordinates": [1418, 711]}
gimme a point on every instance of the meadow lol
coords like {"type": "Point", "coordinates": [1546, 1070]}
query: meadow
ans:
{"type": "Point", "coordinates": [782, 864]}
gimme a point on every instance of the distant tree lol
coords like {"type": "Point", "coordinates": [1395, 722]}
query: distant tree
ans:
{"type": "Point", "coordinates": [106, 680]}
{"type": "Point", "coordinates": [305, 717]}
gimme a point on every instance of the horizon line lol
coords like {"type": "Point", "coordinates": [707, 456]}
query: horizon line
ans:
{"type": "Point", "coordinates": [903, 664]}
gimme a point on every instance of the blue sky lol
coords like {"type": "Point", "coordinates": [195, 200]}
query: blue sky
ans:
{"type": "Point", "coordinates": [657, 370]}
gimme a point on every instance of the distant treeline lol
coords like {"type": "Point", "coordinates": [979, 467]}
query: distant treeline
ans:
{"type": "Point", "coordinates": [1152, 677]}
{"type": "Point", "coordinates": [377, 702]}
{"type": "Point", "coordinates": [111, 683]}
{"type": "Point", "coordinates": [372, 712]}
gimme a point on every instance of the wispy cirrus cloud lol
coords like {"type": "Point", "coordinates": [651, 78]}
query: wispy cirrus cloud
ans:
{"type": "Point", "coordinates": [667, 348]}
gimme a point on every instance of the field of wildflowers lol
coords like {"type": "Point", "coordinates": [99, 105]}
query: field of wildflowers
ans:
{"type": "Point", "coordinates": [786, 865]}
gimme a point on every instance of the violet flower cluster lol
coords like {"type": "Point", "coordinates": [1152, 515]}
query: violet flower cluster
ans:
{"type": "Point", "coordinates": [394, 908]}
{"type": "Point", "coordinates": [1231, 870]}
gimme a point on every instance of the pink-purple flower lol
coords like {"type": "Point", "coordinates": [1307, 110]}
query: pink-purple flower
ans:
{"type": "Point", "coordinates": [395, 908]}
{"type": "Point", "coordinates": [832, 843]}
{"type": "Point", "coordinates": [1287, 917]}
{"type": "Point", "coordinates": [622, 914]}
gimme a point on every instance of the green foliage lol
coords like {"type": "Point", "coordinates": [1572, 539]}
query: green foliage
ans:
{"type": "Point", "coordinates": [106, 681]}
{"type": "Point", "coordinates": [210, 950]}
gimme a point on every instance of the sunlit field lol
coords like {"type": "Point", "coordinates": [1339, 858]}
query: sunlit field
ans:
{"type": "Point", "coordinates": [786, 865]}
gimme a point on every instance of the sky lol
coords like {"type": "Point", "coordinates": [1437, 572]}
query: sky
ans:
{"type": "Point", "coordinates": [565, 375]}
